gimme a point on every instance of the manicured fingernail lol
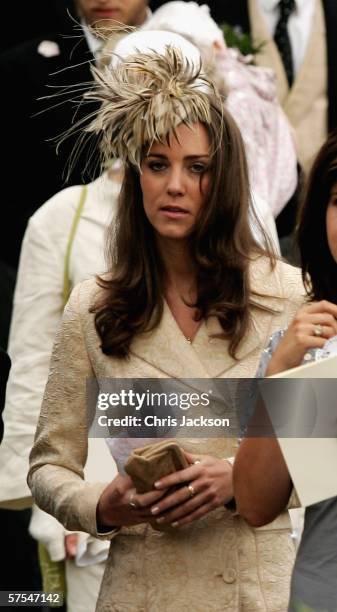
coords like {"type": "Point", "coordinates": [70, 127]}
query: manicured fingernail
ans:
{"type": "Point", "coordinates": [155, 510]}
{"type": "Point", "coordinates": [160, 520]}
{"type": "Point", "coordinates": [157, 484]}
{"type": "Point", "coordinates": [175, 524]}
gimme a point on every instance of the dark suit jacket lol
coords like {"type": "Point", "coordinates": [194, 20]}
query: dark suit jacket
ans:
{"type": "Point", "coordinates": [35, 18]}
{"type": "Point", "coordinates": [236, 13]}
{"type": "Point", "coordinates": [31, 170]}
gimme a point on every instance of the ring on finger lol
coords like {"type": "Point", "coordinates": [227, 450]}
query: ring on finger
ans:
{"type": "Point", "coordinates": [132, 502]}
{"type": "Point", "coordinates": [318, 330]}
{"type": "Point", "coordinates": [191, 490]}
{"type": "Point", "coordinates": [196, 462]}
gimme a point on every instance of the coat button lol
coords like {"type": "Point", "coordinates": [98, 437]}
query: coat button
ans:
{"type": "Point", "coordinates": [229, 575]}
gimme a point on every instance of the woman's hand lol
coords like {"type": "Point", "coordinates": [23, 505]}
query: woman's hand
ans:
{"type": "Point", "coordinates": [208, 484]}
{"type": "Point", "coordinates": [310, 328]}
{"type": "Point", "coordinates": [120, 504]}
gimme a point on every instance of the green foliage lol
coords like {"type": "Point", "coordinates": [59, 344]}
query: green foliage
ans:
{"type": "Point", "coordinates": [241, 41]}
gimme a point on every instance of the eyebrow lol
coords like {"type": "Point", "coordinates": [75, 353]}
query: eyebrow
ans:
{"type": "Point", "coordinates": [188, 157]}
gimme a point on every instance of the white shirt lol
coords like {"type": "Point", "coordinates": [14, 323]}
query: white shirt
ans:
{"type": "Point", "coordinates": [38, 307]}
{"type": "Point", "coordinates": [299, 25]}
{"type": "Point", "coordinates": [95, 44]}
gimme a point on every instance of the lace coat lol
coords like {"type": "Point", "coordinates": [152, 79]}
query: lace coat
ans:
{"type": "Point", "coordinates": [216, 564]}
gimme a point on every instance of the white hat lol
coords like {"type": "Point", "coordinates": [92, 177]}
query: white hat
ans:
{"type": "Point", "coordinates": [188, 19]}
{"type": "Point", "coordinates": [157, 41]}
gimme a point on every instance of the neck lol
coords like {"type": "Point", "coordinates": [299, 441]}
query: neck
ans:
{"type": "Point", "coordinates": [178, 266]}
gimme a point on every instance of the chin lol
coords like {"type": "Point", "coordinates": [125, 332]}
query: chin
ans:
{"type": "Point", "coordinates": [174, 235]}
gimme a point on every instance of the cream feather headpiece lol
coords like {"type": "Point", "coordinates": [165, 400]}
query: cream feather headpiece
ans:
{"type": "Point", "coordinates": [144, 97]}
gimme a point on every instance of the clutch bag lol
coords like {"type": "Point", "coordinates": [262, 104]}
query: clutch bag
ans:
{"type": "Point", "coordinates": [152, 462]}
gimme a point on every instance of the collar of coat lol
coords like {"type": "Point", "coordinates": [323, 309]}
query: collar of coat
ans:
{"type": "Point", "coordinates": [167, 349]}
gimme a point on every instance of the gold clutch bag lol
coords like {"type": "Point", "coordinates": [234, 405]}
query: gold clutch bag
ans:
{"type": "Point", "coordinates": [150, 463]}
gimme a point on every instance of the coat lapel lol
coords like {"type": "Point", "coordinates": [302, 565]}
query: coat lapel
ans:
{"type": "Point", "coordinates": [311, 79]}
{"type": "Point", "coordinates": [269, 56]}
{"type": "Point", "coordinates": [166, 348]}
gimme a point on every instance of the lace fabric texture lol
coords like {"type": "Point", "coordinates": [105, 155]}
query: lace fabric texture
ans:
{"type": "Point", "coordinates": [215, 564]}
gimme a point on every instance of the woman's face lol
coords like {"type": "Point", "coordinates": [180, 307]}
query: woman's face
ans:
{"type": "Point", "coordinates": [331, 222]}
{"type": "Point", "coordinates": [175, 181]}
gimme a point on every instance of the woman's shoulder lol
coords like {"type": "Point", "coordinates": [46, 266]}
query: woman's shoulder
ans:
{"type": "Point", "coordinates": [57, 209]}
{"type": "Point", "coordinates": [85, 294]}
{"type": "Point", "coordinates": [282, 280]}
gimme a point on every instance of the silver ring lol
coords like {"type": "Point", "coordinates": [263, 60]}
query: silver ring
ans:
{"type": "Point", "coordinates": [318, 330]}
{"type": "Point", "coordinates": [191, 490]}
{"type": "Point", "coordinates": [196, 462]}
{"type": "Point", "coordinates": [132, 503]}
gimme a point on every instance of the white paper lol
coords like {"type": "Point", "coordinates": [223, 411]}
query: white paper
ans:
{"type": "Point", "coordinates": [311, 461]}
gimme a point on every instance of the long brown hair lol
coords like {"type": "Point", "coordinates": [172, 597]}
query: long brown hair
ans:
{"type": "Point", "coordinates": [319, 269]}
{"type": "Point", "coordinates": [221, 246]}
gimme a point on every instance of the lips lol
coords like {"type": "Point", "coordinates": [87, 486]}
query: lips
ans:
{"type": "Point", "coordinates": [174, 209]}
{"type": "Point", "coordinates": [108, 12]}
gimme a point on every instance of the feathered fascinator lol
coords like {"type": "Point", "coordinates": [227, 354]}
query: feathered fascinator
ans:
{"type": "Point", "coordinates": [144, 97]}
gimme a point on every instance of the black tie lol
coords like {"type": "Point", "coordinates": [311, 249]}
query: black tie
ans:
{"type": "Point", "coordinates": [282, 39]}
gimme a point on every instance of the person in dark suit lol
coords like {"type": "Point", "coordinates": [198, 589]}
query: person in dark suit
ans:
{"type": "Point", "coordinates": [32, 169]}
{"type": "Point", "coordinates": [34, 19]}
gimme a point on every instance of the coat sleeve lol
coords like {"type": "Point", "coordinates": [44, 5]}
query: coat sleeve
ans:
{"type": "Point", "coordinates": [61, 443]}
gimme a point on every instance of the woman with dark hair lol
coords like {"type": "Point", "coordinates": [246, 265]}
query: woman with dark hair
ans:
{"type": "Point", "coordinates": [189, 294]}
{"type": "Point", "coordinates": [311, 336]}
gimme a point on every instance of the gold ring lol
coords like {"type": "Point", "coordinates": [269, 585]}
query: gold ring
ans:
{"type": "Point", "coordinates": [318, 330]}
{"type": "Point", "coordinates": [132, 503]}
{"type": "Point", "coordinates": [191, 490]}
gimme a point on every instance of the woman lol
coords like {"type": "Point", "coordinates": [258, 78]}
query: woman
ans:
{"type": "Point", "coordinates": [55, 256]}
{"type": "Point", "coordinates": [189, 294]}
{"type": "Point", "coordinates": [311, 336]}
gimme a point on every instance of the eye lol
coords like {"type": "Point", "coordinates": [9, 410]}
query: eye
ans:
{"type": "Point", "coordinates": [198, 168]}
{"type": "Point", "coordinates": [157, 166]}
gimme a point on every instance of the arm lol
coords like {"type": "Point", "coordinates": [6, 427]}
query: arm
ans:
{"type": "Point", "coordinates": [262, 484]}
{"type": "Point", "coordinates": [261, 481]}
{"type": "Point", "coordinates": [60, 450]}
{"type": "Point", "coordinates": [59, 454]}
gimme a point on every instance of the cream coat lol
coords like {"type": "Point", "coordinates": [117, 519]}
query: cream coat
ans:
{"type": "Point", "coordinates": [216, 564]}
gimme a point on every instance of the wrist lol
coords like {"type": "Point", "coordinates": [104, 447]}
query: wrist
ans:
{"type": "Point", "coordinates": [102, 526]}
{"type": "Point", "coordinates": [275, 367]}
{"type": "Point", "coordinates": [230, 463]}
{"type": "Point", "coordinates": [103, 522]}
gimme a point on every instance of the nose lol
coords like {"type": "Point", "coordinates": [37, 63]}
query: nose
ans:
{"type": "Point", "coordinates": [175, 183]}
